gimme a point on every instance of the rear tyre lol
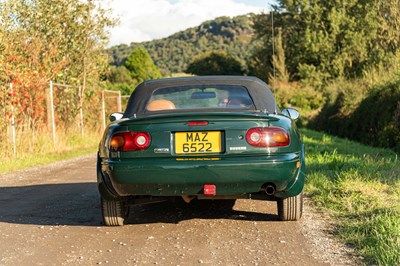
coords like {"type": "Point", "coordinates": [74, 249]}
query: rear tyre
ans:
{"type": "Point", "coordinates": [114, 212]}
{"type": "Point", "coordinates": [290, 209]}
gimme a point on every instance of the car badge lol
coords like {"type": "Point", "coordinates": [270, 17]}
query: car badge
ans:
{"type": "Point", "coordinates": [161, 150]}
{"type": "Point", "coordinates": [237, 148]}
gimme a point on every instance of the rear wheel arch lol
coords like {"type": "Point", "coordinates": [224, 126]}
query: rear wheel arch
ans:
{"type": "Point", "coordinates": [104, 185]}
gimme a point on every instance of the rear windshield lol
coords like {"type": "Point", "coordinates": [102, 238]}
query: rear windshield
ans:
{"type": "Point", "coordinates": [200, 97]}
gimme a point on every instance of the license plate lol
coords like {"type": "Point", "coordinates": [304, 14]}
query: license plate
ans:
{"type": "Point", "coordinates": [198, 142]}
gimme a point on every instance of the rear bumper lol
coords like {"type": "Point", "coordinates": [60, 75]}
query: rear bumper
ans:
{"type": "Point", "coordinates": [233, 176]}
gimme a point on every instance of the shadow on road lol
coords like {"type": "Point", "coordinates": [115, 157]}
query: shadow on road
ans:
{"type": "Point", "coordinates": [170, 212]}
{"type": "Point", "coordinates": [77, 204]}
{"type": "Point", "coordinates": [51, 204]}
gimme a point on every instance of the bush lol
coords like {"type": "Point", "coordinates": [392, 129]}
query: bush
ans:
{"type": "Point", "coordinates": [304, 98]}
{"type": "Point", "coordinates": [376, 120]}
{"type": "Point", "coordinates": [362, 112]}
{"type": "Point", "coordinates": [342, 97]}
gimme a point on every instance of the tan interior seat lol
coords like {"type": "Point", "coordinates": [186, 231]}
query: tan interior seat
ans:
{"type": "Point", "coordinates": [158, 105]}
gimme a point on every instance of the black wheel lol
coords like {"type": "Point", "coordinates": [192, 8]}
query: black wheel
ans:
{"type": "Point", "coordinates": [290, 209]}
{"type": "Point", "coordinates": [114, 212]}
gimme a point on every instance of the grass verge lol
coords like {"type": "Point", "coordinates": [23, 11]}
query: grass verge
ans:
{"type": "Point", "coordinates": [41, 150]}
{"type": "Point", "coordinates": [360, 186]}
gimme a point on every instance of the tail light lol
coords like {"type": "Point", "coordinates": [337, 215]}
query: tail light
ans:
{"type": "Point", "coordinates": [267, 137]}
{"type": "Point", "coordinates": [130, 141]}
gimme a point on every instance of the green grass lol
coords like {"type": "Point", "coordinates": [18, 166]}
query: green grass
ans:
{"type": "Point", "coordinates": [38, 150]}
{"type": "Point", "coordinates": [39, 159]}
{"type": "Point", "coordinates": [360, 186]}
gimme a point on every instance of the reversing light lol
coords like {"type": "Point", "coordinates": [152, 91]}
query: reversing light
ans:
{"type": "Point", "coordinates": [130, 141]}
{"type": "Point", "coordinates": [142, 140]}
{"type": "Point", "coordinates": [267, 137]}
{"type": "Point", "coordinates": [255, 137]}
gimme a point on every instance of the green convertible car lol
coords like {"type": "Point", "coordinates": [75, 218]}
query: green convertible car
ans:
{"type": "Point", "coordinates": [205, 138]}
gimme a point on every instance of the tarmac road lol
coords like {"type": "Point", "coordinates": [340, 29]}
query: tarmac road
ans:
{"type": "Point", "coordinates": [50, 215]}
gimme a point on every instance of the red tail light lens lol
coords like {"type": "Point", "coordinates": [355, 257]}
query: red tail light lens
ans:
{"type": "Point", "coordinates": [197, 123]}
{"type": "Point", "coordinates": [130, 141]}
{"type": "Point", "coordinates": [267, 137]}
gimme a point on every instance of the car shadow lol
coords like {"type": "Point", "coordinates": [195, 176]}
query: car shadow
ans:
{"type": "Point", "coordinates": [172, 212]}
{"type": "Point", "coordinates": [78, 204]}
{"type": "Point", "coordinates": [51, 204]}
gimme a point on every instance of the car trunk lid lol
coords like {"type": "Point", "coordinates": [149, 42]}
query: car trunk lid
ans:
{"type": "Point", "coordinates": [200, 134]}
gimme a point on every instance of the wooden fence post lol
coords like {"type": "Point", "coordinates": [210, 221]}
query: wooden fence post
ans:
{"type": "Point", "coordinates": [53, 123]}
{"type": "Point", "coordinates": [103, 109]}
{"type": "Point", "coordinates": [12, 122]}
{"type": "Point", "coordinates": [119, 106]}
{"type": "Point", "coordinates": [81, 114]}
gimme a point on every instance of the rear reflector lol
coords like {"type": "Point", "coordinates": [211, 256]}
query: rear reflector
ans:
{"type": "Point", "coordinates": [210, 190]}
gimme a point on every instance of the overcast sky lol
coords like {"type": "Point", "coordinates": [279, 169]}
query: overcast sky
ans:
{"type": "Point", "coordinates": [144, 20]}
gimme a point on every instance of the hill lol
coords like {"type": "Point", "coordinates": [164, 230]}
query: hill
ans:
{"type": "Point", "coordinates": [174, 53]}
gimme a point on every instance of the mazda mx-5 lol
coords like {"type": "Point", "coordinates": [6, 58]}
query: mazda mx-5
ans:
{"type": "Point", "coordinates": [201, 138]}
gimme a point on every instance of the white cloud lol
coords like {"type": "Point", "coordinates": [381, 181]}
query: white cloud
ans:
{"type": "Point", "coordinates": [144, 20]}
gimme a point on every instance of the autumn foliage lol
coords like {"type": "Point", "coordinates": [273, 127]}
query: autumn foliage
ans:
{"type": "Point", "coordinates": [43, 41]}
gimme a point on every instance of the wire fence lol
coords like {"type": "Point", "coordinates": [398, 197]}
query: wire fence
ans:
{"type": "Point", "coordinates": [29, 120]}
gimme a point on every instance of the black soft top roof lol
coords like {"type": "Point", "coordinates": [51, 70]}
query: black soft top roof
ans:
{"type": "Point", "coordinates": [259, 91]}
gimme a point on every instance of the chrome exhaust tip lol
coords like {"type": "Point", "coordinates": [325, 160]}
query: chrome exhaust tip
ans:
{"type": "Point", "coordinates": [270, 190]}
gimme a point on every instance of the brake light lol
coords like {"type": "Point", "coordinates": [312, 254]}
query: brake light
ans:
{"type": "Point", "coordinates": [130, 141]}
{"type": "Point", "coordinates": [197, 123]}
{"type": "Point", "coordinates": [267, 137]}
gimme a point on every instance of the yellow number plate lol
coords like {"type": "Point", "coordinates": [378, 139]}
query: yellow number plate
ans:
{"type": "Point", "coordinates": [198, 142]}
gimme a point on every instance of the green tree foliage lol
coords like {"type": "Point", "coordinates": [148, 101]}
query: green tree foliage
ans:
{"type": "Point", "coordinates": [324, 40]}
{"type": "Point", "coordinates": [215, 63]}
{"type": "Point", "coordinates": [280, 72]}
{"type": "Point", "coordinates": [141, 66]}
{"type": "Point", "coordinates": [358, 111]}
{"type": "Point", "coordinates": [174, 53]}
{"type": "Point", "coordinates": [120, 79]}
{"type": "Point", "coordinates": [120, 75]}
{"type": "Point", "coordinates": [47, 40]}
{"type": "Point", "coordinates": [335, 48]}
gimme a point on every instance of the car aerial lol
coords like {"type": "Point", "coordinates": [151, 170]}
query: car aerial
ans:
{"type": "Point", "coordinates": [205, 138]}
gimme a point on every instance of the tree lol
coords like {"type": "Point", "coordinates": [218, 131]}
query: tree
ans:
{"type": "Point", "coordinates": [27, 61]}
{"type": "Point", "coordinates": [174, 53]}
{"type": "Point", "coordinates": [120, 79]}
{"type": "Point", "coordinates": [389, 20]}
{"type": "Point", "coordinates": [120, 75]}
{"type": "Point", "coordinates": [47, 40]}
{"type": "Point", "coordinates": [280, 72]}
{"type": "Point", "coordinates": [141, 66]}
{"type": "Point", "coordinates": [328, 39]}
{"type": "Point", "coordinates": [215, 63]}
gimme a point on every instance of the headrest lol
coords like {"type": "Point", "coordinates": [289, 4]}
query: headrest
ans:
{"type": "Point", "coordinates": [158, 105]}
